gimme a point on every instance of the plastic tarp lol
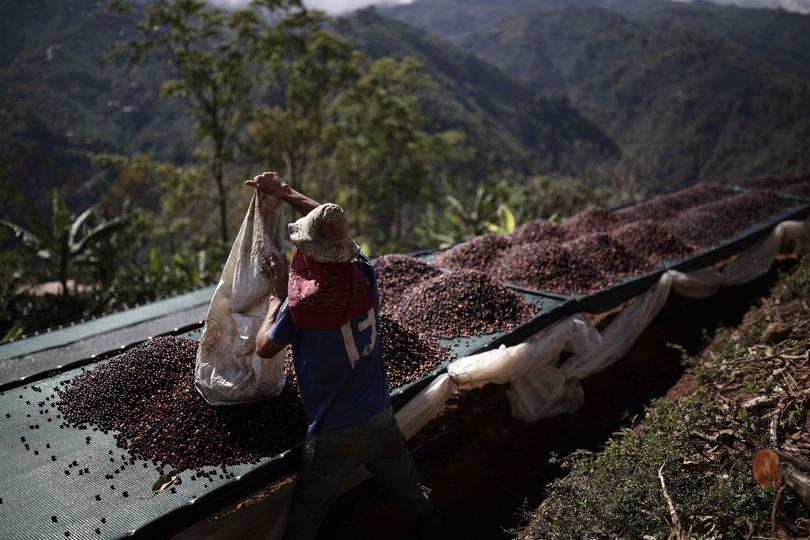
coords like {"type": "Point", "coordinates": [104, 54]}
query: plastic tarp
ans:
{"type": "Point", "coordinates": [538, 385]}
{"type": "Point", "coordinates": [227, 369]}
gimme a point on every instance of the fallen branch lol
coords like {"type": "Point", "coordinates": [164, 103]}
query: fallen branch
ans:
{"type": "Point", "coordinates": [796, 461]}
{"type": "Point", "coordinates": [673, 512]}
{"type": "Point", "coordinates": [776, 417]}
{"type": "Point", "coordinates": [759, 401]}
{"type": "Point", "coordinates": [796, 480]}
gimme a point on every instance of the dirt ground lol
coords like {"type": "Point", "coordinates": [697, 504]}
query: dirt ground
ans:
{"type": "Point", "coordinates": [485, 468]}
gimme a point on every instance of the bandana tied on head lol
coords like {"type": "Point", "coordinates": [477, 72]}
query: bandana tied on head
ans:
{"type": "Point", "coordinates": [326, 295]}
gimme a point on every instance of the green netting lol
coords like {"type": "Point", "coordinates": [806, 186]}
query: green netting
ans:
{"type": "Point", "coordinates": [57, 338]}
{"type": "Point", "coordinates": [34, 487]}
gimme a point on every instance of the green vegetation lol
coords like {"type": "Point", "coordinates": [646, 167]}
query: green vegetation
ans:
{"type": "Point", "coordinates": [531, 111]}
{"type": "Point", "coordinates": [510, 202]}
{"type": "Point", "coordinates": [686, 91]}
{"type": "Point", "coordinates": [705, 441]}
{"type": "Point", "coordinates": [66, 240]}
{"type": "Point", "coordinates": [207, 49]}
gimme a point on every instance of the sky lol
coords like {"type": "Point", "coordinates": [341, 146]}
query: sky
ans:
{"type": "Point", "coordinates": [342, 6]}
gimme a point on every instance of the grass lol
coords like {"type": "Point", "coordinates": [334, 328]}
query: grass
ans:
{"type": "Point", "coordinates": [706, 442]}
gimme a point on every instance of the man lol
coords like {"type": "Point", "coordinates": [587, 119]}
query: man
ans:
{"type": "Point", "coordinates": [330, 318]}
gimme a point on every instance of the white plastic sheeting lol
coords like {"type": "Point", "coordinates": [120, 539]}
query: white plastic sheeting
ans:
{"type": "Point", "coordinates": [538, 386]}
{"type": "Point", "coordinates": [227, 369]}
{"type": "Point", "coordinates": [748, 265]}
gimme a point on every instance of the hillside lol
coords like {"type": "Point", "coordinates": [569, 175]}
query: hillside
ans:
{"type": "Point", "coordinates": [650, 93]}
{"type": "Point", "coordinates": [506, 122]}
{"type": "Point", "coordinates": [681, 104]}
{"type": "Point", "coordinates": [700, 441]}
{"type": "Point", "coordinates": [687, 91]}
{"type": "Point", "coordinates": [60, 97]}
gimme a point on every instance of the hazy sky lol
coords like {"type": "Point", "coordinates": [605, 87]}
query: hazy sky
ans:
{"type": "Point", "coordinates": [342, 6]}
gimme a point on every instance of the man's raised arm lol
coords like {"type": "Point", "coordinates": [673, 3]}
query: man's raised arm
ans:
{"type": "Point", "coordinates": [277, 270]}
{"type": "Point", "coordinates": [272, 184]}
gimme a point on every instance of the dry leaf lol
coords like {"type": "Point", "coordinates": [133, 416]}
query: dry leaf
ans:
{"type": "Point", "coordinates": [765, 469]}
{"type": "Point", "coordinates": [164, 481]}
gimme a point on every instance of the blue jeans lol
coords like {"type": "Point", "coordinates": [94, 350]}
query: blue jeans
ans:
{"type": "Point", "coordinates": [328, 458]}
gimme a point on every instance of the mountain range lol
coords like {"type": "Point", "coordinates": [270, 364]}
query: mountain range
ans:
{"type": "Point", "coordinates": [647, 93]}
{"type": "Point", "coordinates": [687, 91]}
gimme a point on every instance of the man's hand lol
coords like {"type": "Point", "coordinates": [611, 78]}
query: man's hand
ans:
{"type": "Point", "coordinates": [272, 184]}
{"type": "Point", "coordinates": [268, 182]}
{"type": "Point", "coordinates": [277, 269]}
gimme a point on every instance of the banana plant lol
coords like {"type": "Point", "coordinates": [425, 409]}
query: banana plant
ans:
{"type": "Point", "coordinates": [66, 239]}
{"type": "Point", "coordinates": [482, 216]}
{"type": "Point", "coordinates": [506, 221]}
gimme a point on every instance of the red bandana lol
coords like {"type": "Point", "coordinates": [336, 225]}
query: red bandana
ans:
{"type": "Point", "coordinates": [326, 295]}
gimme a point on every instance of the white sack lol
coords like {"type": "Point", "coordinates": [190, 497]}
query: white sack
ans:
{"type": "Point", "coordinates": [227, 369]}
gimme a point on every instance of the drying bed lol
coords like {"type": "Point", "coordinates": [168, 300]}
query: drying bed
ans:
{"type": "Point", "coordinates": [62, 481]}
{"type": "Point", "coordinates": [601, 258]}
{"type": "Point", "coordinates": [796, 186]}
{"type": "Point", "coordinates": [67, 481]}
{"type": "Point", "coordinates": [628, 287]}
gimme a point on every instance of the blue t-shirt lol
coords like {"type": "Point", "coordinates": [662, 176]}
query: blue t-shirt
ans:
{"type": "Point", "coordinates": [340, 372]}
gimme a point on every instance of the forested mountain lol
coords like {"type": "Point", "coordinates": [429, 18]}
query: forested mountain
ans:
{"type": "Point", "coordinates": [60, 96]}
{"type": "Point", "coordinates": [506, 122]}
{"type": "Point", "coordinates": [645, 92]}
{"type": "Point", "coordinates": [687, 91]}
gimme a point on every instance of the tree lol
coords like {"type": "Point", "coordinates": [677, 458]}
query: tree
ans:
{"type": "Point", "coordinates": [288, 135]}
{"type": "Point", "coordinates": [212, 52]}
{"type": "Point", "coordinates": [66, 240]}
{"type": "Point", "coordinates": [382, 158]}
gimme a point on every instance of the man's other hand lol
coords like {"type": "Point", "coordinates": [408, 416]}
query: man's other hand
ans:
{"type": "Point", "coordinates": [277, 269]}
{"type": "Point", "coordinates": [268, 182]}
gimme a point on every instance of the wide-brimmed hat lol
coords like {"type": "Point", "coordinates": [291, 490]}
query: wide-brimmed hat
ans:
{"type": "Point", "coordinates": [323, 234]}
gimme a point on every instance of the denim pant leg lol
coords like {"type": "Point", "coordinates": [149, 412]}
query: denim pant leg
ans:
{"type": "Point", "coordinates": [390, 462]}
{"type": "Point", "coordinates": [325, 462]}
